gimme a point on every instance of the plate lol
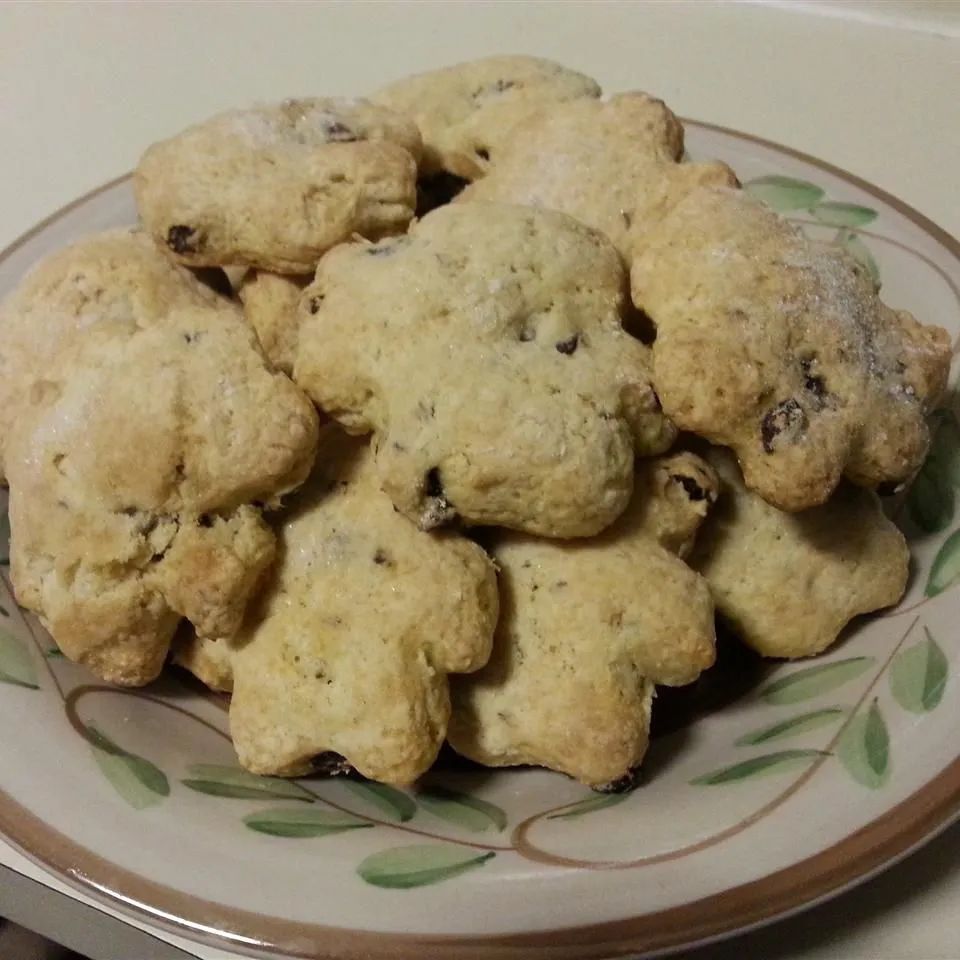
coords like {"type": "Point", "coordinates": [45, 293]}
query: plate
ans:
{"type": "Point", "coordinates": [767, 787]}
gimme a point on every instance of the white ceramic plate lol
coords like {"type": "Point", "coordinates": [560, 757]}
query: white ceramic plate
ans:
{"type": "Point", "coordinates": [794, 782]}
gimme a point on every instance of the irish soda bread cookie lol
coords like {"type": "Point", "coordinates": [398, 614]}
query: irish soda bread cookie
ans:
{"type": "Point", "coordinates": [778, 346]}
{"type": "Point", "coordinates": [469, 113]}
{"type": "Point", "coordinates": [612, 165]}
{"type": "Point", "coordinates": [485, 350]}
{"type": "Point", "coordinates": [108, 276]}
{"type": "Point", "coordinates": [348, 649]}
{"type": "Point", "coordinates": [136, 479]}
{"type": "Point", "coordinates": [586, 630]}
{"type": "Point", "coordinates": [276, 186]}
{"type": "Point", "coordinates": [789, 583]}
{"type": "Point", "coordinates": [270, 306]}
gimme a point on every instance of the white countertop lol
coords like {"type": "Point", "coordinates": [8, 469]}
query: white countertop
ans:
{"type": "Point", "coordinates": [871, 87]}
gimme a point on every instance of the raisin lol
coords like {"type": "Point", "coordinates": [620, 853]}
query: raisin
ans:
{"type": "Point", "coordinates": [437, 510]}
{"type": "Point", "coordinates": [526, 334]}
{"type": "Point", "coordinates": [787, 419]}
{"type": "Point", "coordinates": [338, 132]}
{"type": "Point", "coordinates": [569, 346]}
{"type": "Point", "coordinates": [184, 239]}
{"type": "Point", "coordinates": [813, 383]}
{"type": "Point", "coordinates": [381, 250]}
{"type": "Point", "coordinates": [314, 305]}
{"type": "Point", "coordinates": [381, 557]}
{"type": "Point", "coordinates": [205, 520]}
{"type": "Point", "coordinates": [693, 489]}
{"type": "Point", "coordinates": [483, 153]}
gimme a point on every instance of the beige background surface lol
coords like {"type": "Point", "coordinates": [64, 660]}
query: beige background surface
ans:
{"type": "Point", "coordinates": [871, 87]}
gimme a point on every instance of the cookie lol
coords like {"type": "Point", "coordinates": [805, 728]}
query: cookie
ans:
{"type": "Point", "coordinates": [611, 164]}
{"type": "Point", "coordinates": [486, 352]}
{"type": "Point", "coordinates": [788, 583]}
{"type": "Point", "coordinates": [469, 113]}
{"type": "Point", "coordinates": [347, 651]}
{"type": "Point", "coordinates": [270, 306]}
{"type": "Point", "coordinates": [586, 629]}
{"type": "Point", "coordinates": [274, 187]}
{"type": "Point", "coordinates": [137, 478]}
{"type": "Point", "coordinates": [108, 276]}
{"type": "Point", "coordinates": [778, 346]}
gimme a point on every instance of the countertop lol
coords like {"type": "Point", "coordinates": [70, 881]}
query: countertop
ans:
{"type": "Point", "coordinates": [870, 87]}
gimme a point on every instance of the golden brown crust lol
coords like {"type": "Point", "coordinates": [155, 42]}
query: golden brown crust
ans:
{"type": "Point", "coordinates": [788, 583]}
{"type": "Point", "coordinates": [348, 648]}
{"type": "Point", "coordinates": [276, 186]}
{"type": "Point", "coordinates": [486, 351]}
{"type": "Point", "coordinates": [778, 347]}
{"type": "Point", "coordinates": [131, 482]}
{"type": "Point", "coordinates": [611, 164]}
{"type": "Point", "coordinates": [586, 628]}
{"type": "Point", "coordinates": [270, 304]}
{"type": "Point", "coordinates": [107, 276]}
{"type": "Point", "coordinates": [469, 113]}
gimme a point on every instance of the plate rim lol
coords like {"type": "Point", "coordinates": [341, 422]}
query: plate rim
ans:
{"type": "Point", "coordinates": [856, 858]}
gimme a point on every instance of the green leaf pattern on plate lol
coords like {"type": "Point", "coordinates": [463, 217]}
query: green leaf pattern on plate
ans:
{"type": "Point", "coordinates": [834, 214]}
{"type": "Point", "coordinates": [945, 570]}
{"type": "Point", "coordinates": [784, 193]}
{"type": "Point", "coordinates": [394, 803]}
{"type": "Point", "coordinates": [302, 822]}
{"type": "Point", "coordinates": [136, 780]}
{"type": "Point", "coordinates": [401, 868]}
{"type": "Point", "coordinates": [599, 801]}
{"type": "Point", "coordinates": [815, 681]}
{"type": "Point", "coordinates": [864, 748]}
{"type": "Point", "coordinates": [792, 727]}
{"type": "Point", "coordinates": [857, 249]}
{"type": "Point", "coordinates": [918, 675]}
{"type": "Point", "coordinates": [761, 766]}
{"type": "Point", "coordinates": [462, 809]}
{"type": "Point", "coordinates": [219, 780]}
{"type": "Point", "coordinates": [16, 664]}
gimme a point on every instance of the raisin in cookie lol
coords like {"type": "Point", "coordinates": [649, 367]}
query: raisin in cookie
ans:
{"type": "Point", "coordinates": [107, 276]}
{"type": "Point", "coordinates": [469, 113]}
{"type": "Point", "coordinates": [586, 630]}
{"type": "Point", "coordinates": [347, 651]}
{"type": "Point", "coordinates": [789, 582]}
{"type": "Point", "coordinates": [270, 305]}
{"type": "Point", "coordinates": [778, 346]}
{"type": "Point", "coordinates": [275, 186]}
{"type": "Point", "coordinates": [136, 481]}
{"type": "Point", "coordinates": [485, 350]}
{"type": "Point", "coordinates": [611, 164]}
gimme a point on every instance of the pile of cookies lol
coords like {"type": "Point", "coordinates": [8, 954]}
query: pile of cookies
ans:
{"type": "Point", "coordinates": [456, 413]}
